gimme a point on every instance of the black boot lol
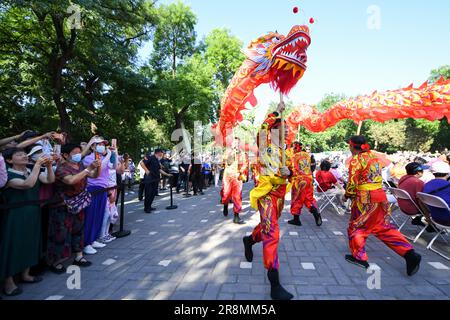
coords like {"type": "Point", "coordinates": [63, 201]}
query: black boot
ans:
{"type": "Point", "coordinates": [296, 221]}
{"type": "Point", "coordinates": [225, 210]}
{"type": "Point", "coordinates": [316, 215]}
{"type": "Point", "coordinates": [277, 292]}
{"type": "Point", "coordinates": [248, 243]}
{"type": "Point", "coordinates": [359, 263]}
{"type": "Point", "coordinates": [237, 219]}
{"type": "Point", "coordinates": [412, 262]}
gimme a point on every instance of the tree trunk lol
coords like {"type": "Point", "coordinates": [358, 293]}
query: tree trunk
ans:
{"type": "Point", "coordinates": [358, 133]}
{"type": "Point", "coordinates": [56, 67]}
{"type": "Point", "coordinates": [179, 117]}
{"type": "Point", "coordinates": [179, 123]}
{"type": "Point", "coordinates": [89, 92]}
{"type": "Point", "coordinates": [174, 59]}
{"type": "Point", "coordinates": [61, 54]}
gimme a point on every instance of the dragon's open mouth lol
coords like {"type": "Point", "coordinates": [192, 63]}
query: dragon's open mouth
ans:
{"type": "Point", "coordinates": [293, 50]}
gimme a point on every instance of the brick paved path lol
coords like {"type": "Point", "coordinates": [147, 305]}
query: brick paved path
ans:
{"type": "Point", "coordinates": [195, 253]}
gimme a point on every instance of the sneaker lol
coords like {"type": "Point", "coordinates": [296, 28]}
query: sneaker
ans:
{"type": "Point", "coordinates": [111, 238]}
{"type": "Point", "coordinates": [98, 245]}
{"type": "Point", "coordinates": [89, 250]}
{"type": "Point", "coordinates": [104, 240]}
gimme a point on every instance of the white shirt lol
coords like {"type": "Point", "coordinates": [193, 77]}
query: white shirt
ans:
{"type": "Point", "coordinates": [141, 171]}
{"type": "Point", "coordinates": [112, 179]}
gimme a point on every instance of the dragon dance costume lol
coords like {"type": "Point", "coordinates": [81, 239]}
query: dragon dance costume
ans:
{"type": "Point", "coordinates": [235, 162]}
{"type": "Point", "coordinates": [370, 212]}
{"type": "Point", "coordinates": [302, 191]}
{"type": "Point", "coordinates": [268, 198]}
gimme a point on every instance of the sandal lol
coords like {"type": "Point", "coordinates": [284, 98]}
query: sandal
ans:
{"type": "Point", "coordinates": [15, 292]}
{"type": "Point", "coordinates": [82, 263]}
{"type": "Point", "coordinates": [35, 280]}
{"type": "Point", "coordinates": [58, 269]}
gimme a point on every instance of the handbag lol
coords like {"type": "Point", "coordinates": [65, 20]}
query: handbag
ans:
{"type": "Point", "coordinates": [79, 202]}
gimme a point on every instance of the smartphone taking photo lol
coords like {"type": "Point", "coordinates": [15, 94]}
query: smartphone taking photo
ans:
{"type": "Point", "coordinates": [57, 149]}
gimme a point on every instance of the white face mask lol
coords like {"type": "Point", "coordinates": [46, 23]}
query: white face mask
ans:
{"type": "Point", "coordinates": [76, 158]}
{"type": "Point", "coordinates": [100, 149]}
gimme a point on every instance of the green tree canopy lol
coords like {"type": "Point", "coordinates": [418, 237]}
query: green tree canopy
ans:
{"type": "Point", "coordinates": [175, 36]}
{"type": "Point", "coordinates": [73, 76]}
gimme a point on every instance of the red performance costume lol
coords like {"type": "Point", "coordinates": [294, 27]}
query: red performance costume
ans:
{"type": "Point", "coordinates": [255, 172]}
{"type": "Point", "coordinates": [268, 199]}
{"type": "Point", "coordinates": [370, 213]}
{"type": "Point", "coordinates": [302, 191]}
{"type": "Point", "coordinates": [235, 162]}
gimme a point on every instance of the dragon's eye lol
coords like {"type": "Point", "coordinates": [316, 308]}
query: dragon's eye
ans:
{"type": "Point", "coordinates": [276, 39]}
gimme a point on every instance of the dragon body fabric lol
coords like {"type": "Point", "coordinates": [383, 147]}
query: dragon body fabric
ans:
{"type": "Point", "coordinates": [273, 58]}
{"type": "Point", "coordinates": [429, 101]}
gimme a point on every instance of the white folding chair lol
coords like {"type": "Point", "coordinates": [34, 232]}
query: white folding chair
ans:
{"type": "Point", "coordinates": [393, 205]}
{"type": "Point", "coordinates": [328, 198]}
{"type": "Point", "coordinates": [436, 202]}
{"type": "Point", "coordinates": [401, 194]}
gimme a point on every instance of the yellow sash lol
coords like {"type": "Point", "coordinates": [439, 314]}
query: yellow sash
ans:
{"type": "Point", "coordinates": [370, 187]}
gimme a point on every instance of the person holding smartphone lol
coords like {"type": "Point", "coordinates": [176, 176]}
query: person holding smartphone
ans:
{"type": "Point", "coordinates": [20, 243]}
{"type": "Point", "coordinates": [66, 229]}
{"type": "Point", "coordinates": [96, 210]}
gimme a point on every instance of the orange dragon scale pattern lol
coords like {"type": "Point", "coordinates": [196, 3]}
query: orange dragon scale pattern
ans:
{"type": "Point", "coordinates": [429, 101]}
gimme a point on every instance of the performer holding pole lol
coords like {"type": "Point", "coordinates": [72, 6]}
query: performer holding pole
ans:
{"type": "Point", "coordinates": [268, 198]}
{"type": "Point", "coordinates": [281, 61]}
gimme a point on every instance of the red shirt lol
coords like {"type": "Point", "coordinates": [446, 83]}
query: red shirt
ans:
{"type": "Point", "coordinates": [326, 180]}
{"type": "Point", "coordinates": [412, 185]}
{"type": "Point", "coordinates": [65, 169]}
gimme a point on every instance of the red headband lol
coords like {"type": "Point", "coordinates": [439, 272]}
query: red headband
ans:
{"type": "Point", "coordinates": [364, 147]}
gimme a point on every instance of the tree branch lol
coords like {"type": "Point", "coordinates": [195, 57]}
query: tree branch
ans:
{"type": "Point", "coordinates": [58, 24]}
{"type": "Point", "coordinates": [184, 109]}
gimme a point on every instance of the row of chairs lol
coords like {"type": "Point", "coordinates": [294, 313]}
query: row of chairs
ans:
{"type": "Point", "coordinates": [432, 202]}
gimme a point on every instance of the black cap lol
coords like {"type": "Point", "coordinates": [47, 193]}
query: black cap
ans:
{"type": "Point", "coordinates": [68, 148]}
{"type": "Point", "coordinates": [414, 167]}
